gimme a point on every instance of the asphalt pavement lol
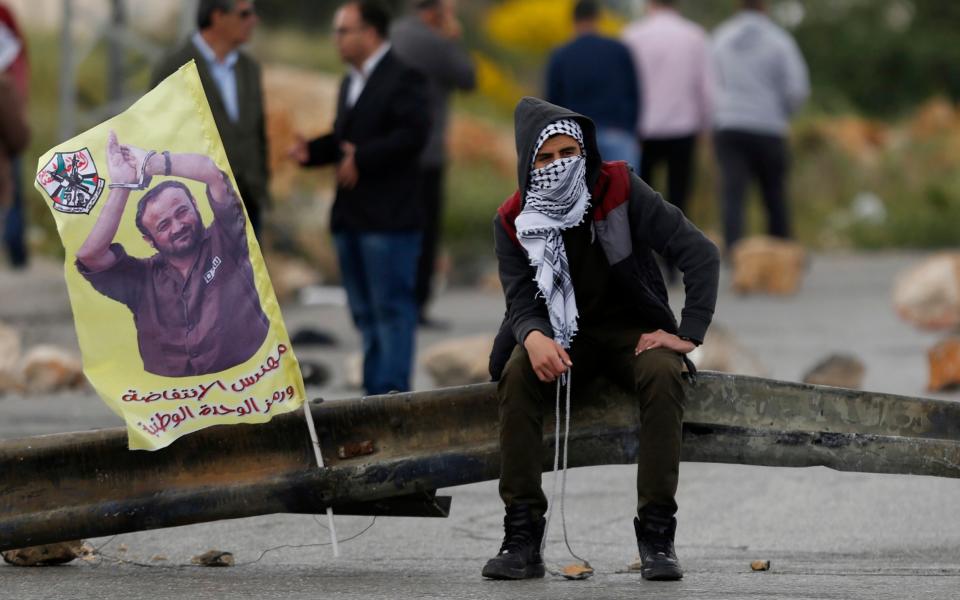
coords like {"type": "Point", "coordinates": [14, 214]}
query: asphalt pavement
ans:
{"type": "Point", "coordinates": [827, 534]}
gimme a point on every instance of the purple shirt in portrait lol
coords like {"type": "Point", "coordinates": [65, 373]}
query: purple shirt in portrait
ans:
{"type": "Point", "coordinates": [206, 323]}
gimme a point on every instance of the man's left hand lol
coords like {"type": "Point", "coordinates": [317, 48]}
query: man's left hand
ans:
{"type": "Point", "coordinates": [347, 174]}
{"type": "Point", "coordinates": [662, 339]}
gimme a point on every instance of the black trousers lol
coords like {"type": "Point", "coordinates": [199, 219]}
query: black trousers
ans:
{"type": "Point", "coordinates": [743, 156]}
{"type": "Point", "coordinates": [431, 203]}
{"type": "Point", "coordinates": [677, 154]}
{"type": "Point", "coordinates": [653, 377]}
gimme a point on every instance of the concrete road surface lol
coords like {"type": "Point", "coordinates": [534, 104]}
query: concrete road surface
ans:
{"type": "Point", "coordinates": [827, 534]}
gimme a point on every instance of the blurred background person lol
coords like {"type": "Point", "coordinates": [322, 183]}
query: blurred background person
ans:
{"type": "Point", "coordinates": [429, 41]}
{"type": "Point", "coordinates": [15, 70]}
{"type": "Point", "coordinates": [595, 76]}
{"type": "Point", "coordinates": [381, 127]}
{"type": "Point", "coordinates": [762, 80]}
{"type": "Point", "coordinates": [672, 56]}
{"type": "Point", "coordinates": [231, 80]}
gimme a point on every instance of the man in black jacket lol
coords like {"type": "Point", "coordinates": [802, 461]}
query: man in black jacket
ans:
{"type": "Point", "coordinates": [381, 127]}
{"type": "Point", "coordinates": [583, 292]}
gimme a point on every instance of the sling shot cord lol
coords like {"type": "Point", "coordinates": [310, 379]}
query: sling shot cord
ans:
{"type": "Point", "coordinates": [565, 380]}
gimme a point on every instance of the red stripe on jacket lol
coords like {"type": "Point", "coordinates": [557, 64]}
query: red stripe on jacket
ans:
{"type": "Point", "coordinates": [612, 187]}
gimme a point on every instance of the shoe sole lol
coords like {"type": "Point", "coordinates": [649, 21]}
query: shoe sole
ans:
{"type": "Point", "coordinates": [531, 572]}
{"type": "Point", "coordinates": [662, 574]}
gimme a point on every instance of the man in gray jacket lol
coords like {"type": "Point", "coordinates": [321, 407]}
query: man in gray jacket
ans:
{"type": "Point", "coordinates": [428, 41]}
{"type": "Point", "coordinates": [761, 81]}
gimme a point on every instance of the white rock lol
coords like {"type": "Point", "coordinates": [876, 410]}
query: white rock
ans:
{"type": "Point", "coordinates": [928, 295]}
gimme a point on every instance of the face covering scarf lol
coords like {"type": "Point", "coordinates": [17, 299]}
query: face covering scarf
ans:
{"type": "Point", "coordinates": [556, 199]}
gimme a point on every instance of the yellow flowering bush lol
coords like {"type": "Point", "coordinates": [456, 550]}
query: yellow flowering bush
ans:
{"type": "Point", "coordinates": [539, 25]}
{"type": "Point", "coordinates": [496, 83]}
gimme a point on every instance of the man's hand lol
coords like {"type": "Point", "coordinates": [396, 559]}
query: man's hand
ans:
{"type": "Point", "coordinates": [548, 358]}
{"type": "Point", "coordinates": [299, 151]}
{"type": "Point", "coordinates": [122, 165]}
{"type": "Point", "coordinates": [347, 174]}
{"type": "Point", "coordinates": [662, 339]}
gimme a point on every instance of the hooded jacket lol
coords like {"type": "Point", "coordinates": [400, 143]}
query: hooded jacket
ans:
{"type": "Point", "coordinates": [631, 223]}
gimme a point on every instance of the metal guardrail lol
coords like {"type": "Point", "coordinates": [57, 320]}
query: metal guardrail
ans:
{"type": "Point", "coordinates": [388, 454]}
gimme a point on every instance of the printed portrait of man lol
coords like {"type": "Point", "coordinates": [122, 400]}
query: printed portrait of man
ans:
{"type": "Point", "coordinates": [194, 302]}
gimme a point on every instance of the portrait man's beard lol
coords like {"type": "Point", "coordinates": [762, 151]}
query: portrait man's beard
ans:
{"type": "Point", "coordinates": [182, 243]}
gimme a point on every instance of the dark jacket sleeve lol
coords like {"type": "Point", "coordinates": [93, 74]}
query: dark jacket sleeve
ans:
{"type": "Point", "coordinates": [408, 113]}
{"type": "Point", "coordinates": [663, 227]}
{"type": "Point", "coordinates": [323, 150]}
{"type": "Point", "coordinates": [526, 311]}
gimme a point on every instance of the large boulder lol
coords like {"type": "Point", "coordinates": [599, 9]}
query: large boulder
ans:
{"type": "Point", "coordinates": [50, 368]}
{"type": "Point", "coordinates": [837, 370]}
{"type": "Point", "coordinates": [768, 265]}
{"type": "Point", "coordinates": [721, 351]}
{"type": "Point", "coordinates": [459, 361]}
{"type": "Point", "coordinates": [928, 294]}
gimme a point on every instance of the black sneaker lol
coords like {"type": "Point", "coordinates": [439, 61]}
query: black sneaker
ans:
{"type": "Point", "coordinates": [519, 556]}
{"type": "Point", "coordinates": [655, 532]}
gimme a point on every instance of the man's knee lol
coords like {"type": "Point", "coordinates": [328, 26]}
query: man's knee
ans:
{"type": "Point", "coordinates": [659, 371]}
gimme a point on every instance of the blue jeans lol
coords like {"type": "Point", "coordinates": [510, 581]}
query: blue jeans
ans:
{"type": "Point", "coordinates": [619, 144]}
{"type": "Point", "coordinates": [379, 272]}
{"type": "Point", "coordinates": [16, 222]}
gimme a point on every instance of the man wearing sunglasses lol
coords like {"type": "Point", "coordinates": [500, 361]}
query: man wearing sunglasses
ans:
{"type": "Point", "coordinates": [231, 80]}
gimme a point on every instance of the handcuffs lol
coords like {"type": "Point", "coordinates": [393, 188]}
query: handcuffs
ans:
{"type": "Point", "coordinates": [144, 181]}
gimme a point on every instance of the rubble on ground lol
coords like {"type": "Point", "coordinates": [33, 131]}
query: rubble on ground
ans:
{"type": "Point", "coordinates": [45, 555]}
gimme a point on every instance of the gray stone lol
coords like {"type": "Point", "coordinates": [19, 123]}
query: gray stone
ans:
{"type": "Point", "coordinates": [838, 370]}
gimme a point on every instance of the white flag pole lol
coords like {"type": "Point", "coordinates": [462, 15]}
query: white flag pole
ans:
{"type": "Point", "coordinates": [316, 452]}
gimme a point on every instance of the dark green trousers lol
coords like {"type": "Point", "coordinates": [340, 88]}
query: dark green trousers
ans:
{"type": "Point", "coordinates": [654, 378]}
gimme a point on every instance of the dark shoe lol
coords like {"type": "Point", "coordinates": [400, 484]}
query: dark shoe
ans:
{"type": "Point", "coordinates": [655, 531]}
{"type": "Point", "coordinates": [519, 556]}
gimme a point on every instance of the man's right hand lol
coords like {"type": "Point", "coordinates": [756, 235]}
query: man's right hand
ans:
{"type": "Point", "coordinates": [122, 165]}
{"type": "Point", "coordinates": [548, 358]}
{"type": "Point", "coordinates": [299, 151]}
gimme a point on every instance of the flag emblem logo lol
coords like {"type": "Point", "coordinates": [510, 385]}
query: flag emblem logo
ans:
{"type": "Point", "coordinates": [71, 181]}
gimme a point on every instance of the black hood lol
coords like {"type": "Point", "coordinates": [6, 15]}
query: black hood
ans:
{"type": "Point", "coordinates": [529, 119]}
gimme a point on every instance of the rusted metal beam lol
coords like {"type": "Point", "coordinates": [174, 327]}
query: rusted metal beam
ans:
{"type": "Point", "coordinates": [69, 486]}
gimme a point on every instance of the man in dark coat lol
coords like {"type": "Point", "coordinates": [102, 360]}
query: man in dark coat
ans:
{"type": "Point", "coordinates": [575, 248]}
{"type": "Point", "coordinates": [382, 126]}
{"type": "Point", "coordinates": [231, 81]}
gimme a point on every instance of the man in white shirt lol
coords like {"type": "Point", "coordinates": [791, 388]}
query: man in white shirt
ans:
{"type": "Point", "coordinates": [672, 56]}
{"type": "Point", "coordinates": [232, 82]}
{"type": "Point", "coordinates": [381, 128]}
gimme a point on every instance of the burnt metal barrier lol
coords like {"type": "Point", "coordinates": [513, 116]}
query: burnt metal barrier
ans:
{"type": "Point", "coordinates": [388, 455]}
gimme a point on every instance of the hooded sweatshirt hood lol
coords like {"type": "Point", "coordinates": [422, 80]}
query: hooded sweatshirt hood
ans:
{"type": "Point", "coordinates": [529, 119]}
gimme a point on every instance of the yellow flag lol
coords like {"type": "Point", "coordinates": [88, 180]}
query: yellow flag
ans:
{"type": "Point", "coordinates": [178, 323]}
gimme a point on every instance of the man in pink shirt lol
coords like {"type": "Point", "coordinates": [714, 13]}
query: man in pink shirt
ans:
{"type": "Point", "coordinates": [672, 57]}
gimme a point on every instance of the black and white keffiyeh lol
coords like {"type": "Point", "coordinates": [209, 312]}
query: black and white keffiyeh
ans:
{"type": "Point", "coordinates": [556, 199]}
